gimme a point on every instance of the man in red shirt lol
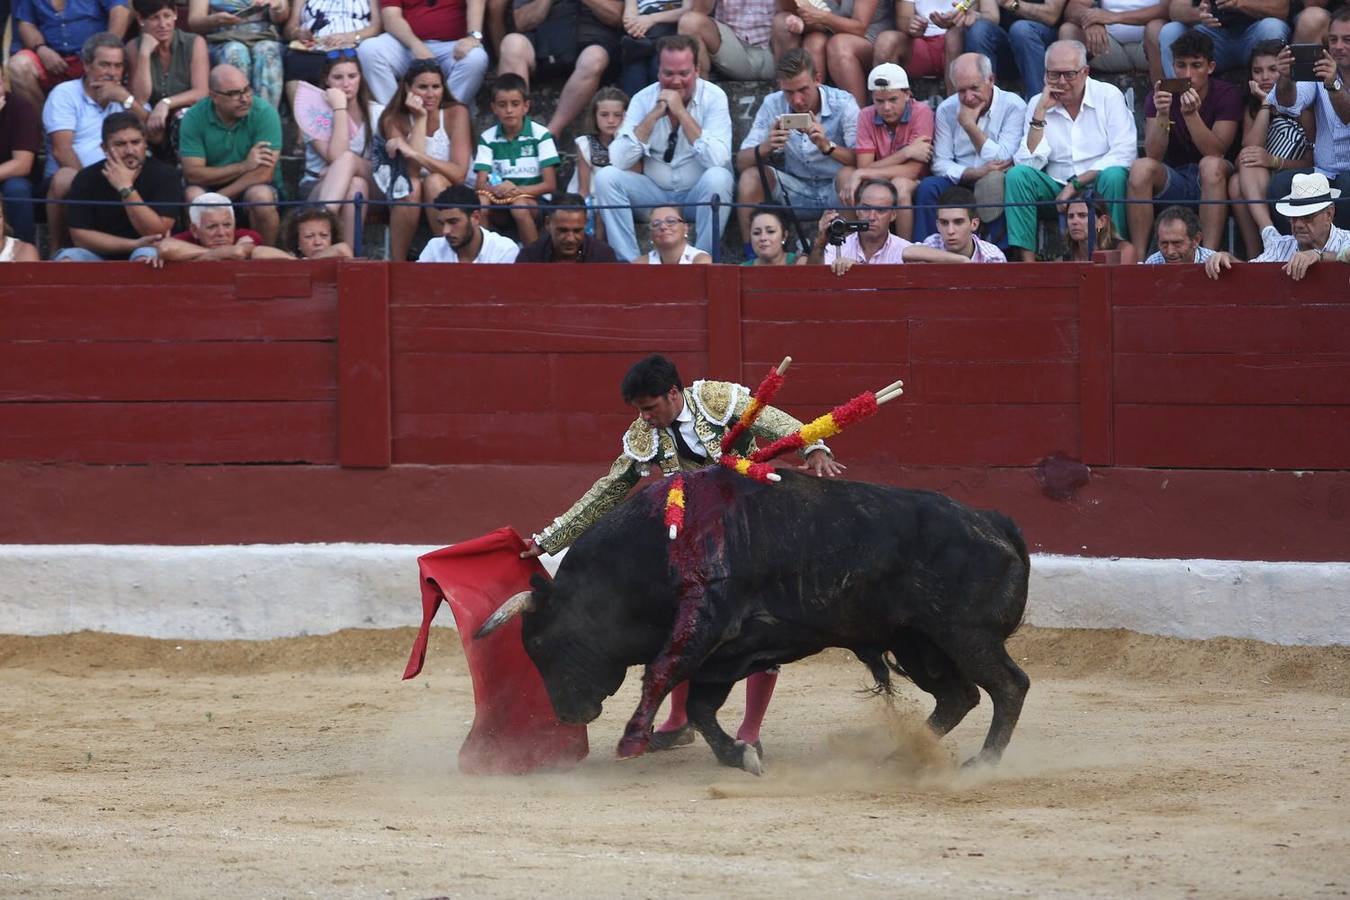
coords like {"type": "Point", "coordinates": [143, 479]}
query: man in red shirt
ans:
{"type": "Point", "coordinates": [449, 31]}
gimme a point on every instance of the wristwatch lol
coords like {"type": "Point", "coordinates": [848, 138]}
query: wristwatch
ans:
{"type": "Point", "coordinates": [1077, 185]}
{"type": "Point", "coordinates": [1338, 84]}
{"type": "Point", "coordinates": [477, 36]}
{"type": "Point", "coordinates": [129, 102]}
{"type": "Point", "coordinates": [124, 193]}
{"type": "Point", "coordinates": [829, 151]}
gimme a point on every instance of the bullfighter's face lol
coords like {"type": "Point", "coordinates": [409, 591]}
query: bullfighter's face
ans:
{"type": "Point", "coordinates": [660, 412]}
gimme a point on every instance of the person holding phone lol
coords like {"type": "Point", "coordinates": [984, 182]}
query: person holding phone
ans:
{"type": "Point", "coordinates": [1191, 122]}
{"type": "Point", "coordinates": [800, 145]}
{"type": "Point", "coordinates": [1235, 27]}
{"type": "Point", "coordinates": [1329, 95]}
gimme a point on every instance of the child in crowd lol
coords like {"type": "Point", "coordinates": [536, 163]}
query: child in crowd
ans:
{"type": "Point", "coordinates": [517, 161]}
{"type": "Point", "coordinates": [339, 167]}
{"type": "Point", "coordinates": [1271, 141]}
{"type": "Point", "coordinates": [427, 132]}
{"type": "Point", "coordinates": [607, 112]}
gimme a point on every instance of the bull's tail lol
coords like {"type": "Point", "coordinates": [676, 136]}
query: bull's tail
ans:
{"type": "Point", "coordinates": [1020, 580]}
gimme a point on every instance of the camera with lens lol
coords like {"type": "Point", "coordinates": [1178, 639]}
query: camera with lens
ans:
{"type": "Point", "coordinates": [838, 229]}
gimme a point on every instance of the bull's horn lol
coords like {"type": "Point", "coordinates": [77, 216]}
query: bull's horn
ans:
{"type": "Point", "coordinates": [514, 606]}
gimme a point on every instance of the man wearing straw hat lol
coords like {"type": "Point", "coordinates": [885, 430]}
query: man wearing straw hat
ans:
{"type": "Point", "coordinates": [679, 429]}
{"type": "Point", "coordinates": [1310, 207]}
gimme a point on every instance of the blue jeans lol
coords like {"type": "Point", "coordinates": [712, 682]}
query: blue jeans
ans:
{"type": "Point", "coordinates": [1229, 52]}
{"type": "Point", "coordinates": [615, 187]}
{"type": "Point", "coordinates": [1025, 42]}
{"type": "Point", "coordinates": [79, 254]}
{"type": "Point", "coordinates": [17, 191]}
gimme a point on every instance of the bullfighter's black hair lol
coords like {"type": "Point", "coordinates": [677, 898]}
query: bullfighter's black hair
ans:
{"type": "Point", "coordinates": [653, 376]}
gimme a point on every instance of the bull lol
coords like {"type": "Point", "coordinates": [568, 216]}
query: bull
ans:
{"type": "Point", "coordinates": [912, 582]}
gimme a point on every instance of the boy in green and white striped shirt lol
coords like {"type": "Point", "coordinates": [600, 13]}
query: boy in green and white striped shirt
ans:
{"type": "Point", "coordinates": [519, 155]}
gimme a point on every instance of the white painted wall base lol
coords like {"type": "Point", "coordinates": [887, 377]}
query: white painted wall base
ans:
{"type": "Point", "coordinates": [264, 591]}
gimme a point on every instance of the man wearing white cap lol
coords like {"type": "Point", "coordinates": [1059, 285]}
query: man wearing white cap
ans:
{"type": "Point", "coordinates": [895, 142]}
{"type": "Point", "coordinates": [1315, 237]}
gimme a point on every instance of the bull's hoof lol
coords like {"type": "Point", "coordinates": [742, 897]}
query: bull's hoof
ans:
{"type": "Point", "coordinates": [750, 760]}
{"type": "Point", "coordinates": [983, 758]}
{"type": "Point", "coordinates": [631, 747]}
{"type": "Point", "coordinates": [669, 740]}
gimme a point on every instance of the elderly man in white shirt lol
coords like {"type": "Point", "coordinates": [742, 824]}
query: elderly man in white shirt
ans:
{"type": "Point", "coordinates": [1310, 208]}
{"type": "Point", "coordinates": [978, 129]}
{"type": "Point", "coordinates": [1079, 134]}
{"type": "Point", "coordinates": [680, 129]}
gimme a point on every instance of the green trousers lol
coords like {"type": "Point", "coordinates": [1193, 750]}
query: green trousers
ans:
{"type": "Point", "coordinates": [1025, 184]}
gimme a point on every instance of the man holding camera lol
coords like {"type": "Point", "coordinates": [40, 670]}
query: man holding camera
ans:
{"type": "Point", "coordinates": [800, 146]}
{"type": "Point", "coordinates": [841, 243]}
{"type": "Point", "coordinates": [1331, 94]}
{"type": "Point", "coordinates": [1190, 124]}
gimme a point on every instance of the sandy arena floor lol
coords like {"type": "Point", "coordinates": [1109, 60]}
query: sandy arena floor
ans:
{"type": "Point", "coordinates": [1142, 766]}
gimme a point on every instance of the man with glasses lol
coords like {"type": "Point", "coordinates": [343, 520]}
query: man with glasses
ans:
{"type": "Point", "coordinates": [680, 129]}
{"type": "Point", "coordinates": [228, 143]}
{"type": "Point", "coordinates": [1078, 134]}
{"type": "Point", "coordinates": [876, 246]}
{"type": "Point", "coordinates": [1016, 29]}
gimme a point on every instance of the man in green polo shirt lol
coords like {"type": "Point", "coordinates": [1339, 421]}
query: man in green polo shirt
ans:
{"type": "Point", "coordinates": [228, 143]}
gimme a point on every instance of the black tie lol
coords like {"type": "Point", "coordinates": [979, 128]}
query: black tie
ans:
{"type": "Point", "coordinates": [682, 448]}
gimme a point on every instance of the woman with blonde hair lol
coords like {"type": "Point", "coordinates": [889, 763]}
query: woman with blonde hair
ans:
{"type": "Point", "coordinates": [426, 131]}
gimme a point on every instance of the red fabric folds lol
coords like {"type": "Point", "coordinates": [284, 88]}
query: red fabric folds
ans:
{"type": "Point", "coordinates": [514, 728]}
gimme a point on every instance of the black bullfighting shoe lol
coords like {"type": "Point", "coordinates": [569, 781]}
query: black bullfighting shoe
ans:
{"type": "Point", "coordinates": [669, 740]}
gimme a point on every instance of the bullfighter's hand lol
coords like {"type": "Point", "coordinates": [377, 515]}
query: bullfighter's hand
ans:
{"type": "Point", "coordinates": [822, 463]}
{"type": "Point", "coordinates": [532, 550]}
{"type": "Point", "coordinates": [1217, 263]}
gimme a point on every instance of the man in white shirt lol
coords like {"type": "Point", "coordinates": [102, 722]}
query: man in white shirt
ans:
{"type": "Point", "coordinates": [1310, 208]}
{"type": "Point", "coordinates": [957, 222]}
{"type": "Point", "coordinates": [463, 239]}
{"type": "Point", "coordinates": [978, 129]}
{"type": "Point", "coordinates": [680, 129]}
{"type": "Point", "coordinates": [1079, 134]}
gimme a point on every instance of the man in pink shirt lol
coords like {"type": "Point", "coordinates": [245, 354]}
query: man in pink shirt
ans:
{"type": "Point", "coordinates": [876, 246]}
{"type": "Point", "coordinates": [895, 141]}
{"type": "Point", "coordinates": [957, 223]}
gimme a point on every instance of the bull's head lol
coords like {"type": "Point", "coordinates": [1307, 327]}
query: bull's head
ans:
{"type": "Point", "coordinates": [573, 657]}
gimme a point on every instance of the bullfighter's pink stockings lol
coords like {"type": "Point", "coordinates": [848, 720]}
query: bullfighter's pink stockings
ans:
{"type": "Point", "coordinates": [758, 692]}
{"type": "Point", "coordinates": [677, 718]}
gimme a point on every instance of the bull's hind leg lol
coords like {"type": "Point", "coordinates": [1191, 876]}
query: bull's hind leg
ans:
{"type": "Point", "coordinates": [985, 661]}
{"type": "Point", "coordinates": [705, 699]}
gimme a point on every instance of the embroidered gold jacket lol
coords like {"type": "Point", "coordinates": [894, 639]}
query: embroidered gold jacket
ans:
{"type": "Point", "coordinates": [716, 406]}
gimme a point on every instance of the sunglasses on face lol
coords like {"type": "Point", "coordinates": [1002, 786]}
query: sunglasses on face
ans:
{"type": "Point", "coordinates": [342, 53]}
{"type": "Point", "coordinates": [424, 65]}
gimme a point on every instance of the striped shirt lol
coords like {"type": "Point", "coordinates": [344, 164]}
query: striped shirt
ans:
{"type": "Point", "coordinates": [519, 160]}
{"type": "Point", "coordinates": [1201, 254]}
{"type": "Point", "coordinates": [1282, 247]}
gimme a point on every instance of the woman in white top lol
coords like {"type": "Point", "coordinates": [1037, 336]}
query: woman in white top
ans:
{"type": "Point", "coordinates": [11, 248]}
{"type": "Point", "coordinates": [425, 125]}
{"type": "Point", "coordinates": [339, 168]}
{"type": "Point", "coordinates": [670, 241]}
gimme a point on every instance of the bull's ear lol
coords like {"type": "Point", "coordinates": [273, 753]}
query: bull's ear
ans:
{"type": "Point", "coordinates": [542, 588]}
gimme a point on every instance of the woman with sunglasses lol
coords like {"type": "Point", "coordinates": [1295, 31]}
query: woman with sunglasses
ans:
{"type": "Point", "coordinates": [317, 27]}
{"type": "Point", "coordinates": [339, 168]}
{"type": "Point", "coordinates": [429, 132]}
{"type": "Point", "coordinates": [246, 34]}
{"type": "Point", "coordinates": [670, 241]}
{"type": "Point", "coordinates": [169, 70]}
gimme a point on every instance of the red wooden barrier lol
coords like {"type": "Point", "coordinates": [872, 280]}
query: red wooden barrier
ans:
{"type": "Point", "coordinates": [365, 364]}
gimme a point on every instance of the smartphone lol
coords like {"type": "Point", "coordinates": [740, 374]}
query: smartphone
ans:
{"type": "Point", "coordinates": [795, 121]}
{"type": "Point", "coordinates": [1175, 86]}
{"type": "Point", "coordinates": [1305, 57]}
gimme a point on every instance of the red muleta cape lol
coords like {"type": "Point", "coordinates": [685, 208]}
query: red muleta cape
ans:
{"type": "Point", "coordinates": [514, 728]}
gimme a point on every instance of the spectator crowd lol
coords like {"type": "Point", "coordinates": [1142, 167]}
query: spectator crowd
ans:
{"type": "Point", "coordinates": [139, 130]}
